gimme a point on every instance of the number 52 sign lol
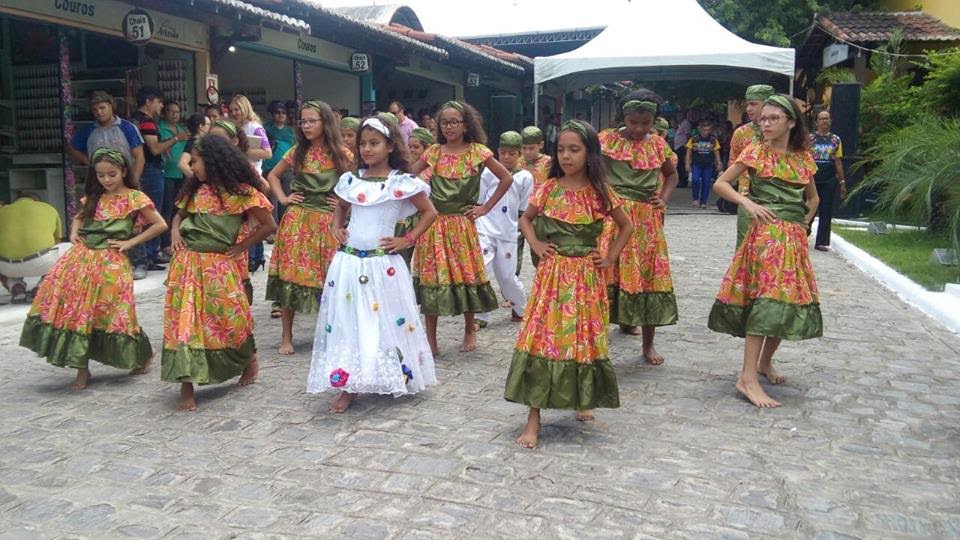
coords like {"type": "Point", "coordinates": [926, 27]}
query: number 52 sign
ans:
{"type": "Point", "coordinates": [359, 62]}
{"type": "Point", "coordinates": [137, 26]}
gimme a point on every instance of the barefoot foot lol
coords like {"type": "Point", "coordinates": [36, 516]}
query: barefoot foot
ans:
{"type": "Point", "coordinates": [528, 438]}
{"type": "Point", "coordinates": [83, 378]}
{"type": "Point", "coordinates": [469, 341]}
{"type": "Point", "coordinates": [755, 393]}
{"type": "Point", "coordinates": [630, 330]}
{"type": "Point", "coordinates": [144, 369]}
{"type": "Point", "coordinates": [187, 402]}
{"type": "Point", "coordinates": [249, 375]}
{"type": "Point", "coordinates": [286, 347]}
{"type": "Point", "coordinates": [585, 416]}
{"type": "Point", "coordinates": [342, 402]}
{"type": "Point", "coordinates": [651, 356]}
{"type": "Point", "coordinates": [772, 374]}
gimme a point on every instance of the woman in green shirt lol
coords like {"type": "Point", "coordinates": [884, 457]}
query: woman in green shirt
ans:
{"type": "Point", "coordinates": [171, 126]}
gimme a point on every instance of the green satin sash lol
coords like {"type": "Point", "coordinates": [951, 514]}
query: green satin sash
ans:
{"type": "Point", "coordinates": [631, 183]}
{"type": "Point", "coordinates": [209, 233]}
{"type": "Point", "coordinates": [572, 240]}
{"type": "Point", "coordinates": [783, 198]}
{"type": "Point", "coordinates": [315, 188]}
{"type": "Point", "coordinates": [96, 233]}
{"type": "Point", "coordinates": [454, 195]}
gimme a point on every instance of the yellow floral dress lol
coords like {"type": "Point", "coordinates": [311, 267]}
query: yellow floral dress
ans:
{"type": "Point", "coordinates": [770, 288]}
{"type": "Point", "coordinates": [560, 360]}
{"type": "Point", "coordinates": [207, 324]}
{"type": "Point", "coordinates": [304, 244]}
{"type": "Point", "coordinates": [640, 284]}
{"type": "Point", "coordinates": [540, 169]}
{"type": "Point", "coordinates": [85, 307]}
{"type": "Point", "coordinates": [448, 268]}
{"type": "Point", "coordinates": [742, 137]}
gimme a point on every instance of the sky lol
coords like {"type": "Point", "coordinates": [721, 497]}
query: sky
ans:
{"type": "Point", "coordinates": [464, 18]}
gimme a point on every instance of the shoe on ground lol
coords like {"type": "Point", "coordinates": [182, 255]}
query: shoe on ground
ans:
{"type": "Point", "coordinates": [163, 258]}
{"type": "Point", "coordinates": [139, 272]}
{"type": "Point", "coordinates": [821, 248]}
{"type": "Point", "coordinates": [156, 267]}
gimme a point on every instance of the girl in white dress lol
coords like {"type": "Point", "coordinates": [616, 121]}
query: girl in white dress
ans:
{"type": "Point", "coordinates": [369, 339]}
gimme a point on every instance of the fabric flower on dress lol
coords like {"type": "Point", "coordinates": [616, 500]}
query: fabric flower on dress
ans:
{"type": "Point", "coordinates": [338, 378]}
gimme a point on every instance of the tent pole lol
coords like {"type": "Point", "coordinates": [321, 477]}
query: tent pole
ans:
{"type": "Point", "coordinates": [536, 105]}
{"type": "Point", "coordinates": [790, 91]}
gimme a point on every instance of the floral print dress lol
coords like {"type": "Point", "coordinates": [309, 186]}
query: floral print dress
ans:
{"type": "Point", "coordinates": [743, 136]}
{"type": "Point", "coordinates": [560, 360]}
{"type": "Point", "coordinates": [304, 244]}
{"type": "Point", "coordinates": [448, 267]}
{"type": "Point", "coordinates": [770, 288]}
{"type": "Point", "coordinates": [85, 306]}
{"type": "Point", "coordinates": [207, 324]}
{"type": "Point", "coordinates": [640, 285]}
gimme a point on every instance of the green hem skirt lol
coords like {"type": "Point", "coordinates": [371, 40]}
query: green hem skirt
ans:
{"type": "Point", "coordinates": [66, 348]}
{"type": "Point", "coordinates": [299, 298]}
{"type": "Point", "coordinates": [205, 366]}
{"type": "Point", "coordinates": [456, 299]}
{"type": "Point", "coordinates": [765, 317]}
{"type": "Point", "coordinates": [542, 383]}
{"type": "Point", "coordinates": [642, 309]}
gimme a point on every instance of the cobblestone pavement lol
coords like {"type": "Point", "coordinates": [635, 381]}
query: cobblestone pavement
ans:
{"type": "Point", "coordinates": [866, 444]}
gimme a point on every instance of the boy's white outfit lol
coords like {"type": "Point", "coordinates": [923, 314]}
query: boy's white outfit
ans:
{"type": "Point", "coordinates": [498, 235]}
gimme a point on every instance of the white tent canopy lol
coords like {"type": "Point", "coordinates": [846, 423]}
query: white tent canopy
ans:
{"type": "Point", "coordinates": [664, 40]}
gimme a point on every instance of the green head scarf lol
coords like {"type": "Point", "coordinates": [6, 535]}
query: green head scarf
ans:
{"type": "Point", "coordinates": [423, 135]}
{"type": "Point", "coordinates": [350, 122]}
{"type": "Point", "coordinates": [511, 139]}
{"type": "Point", "coordinates": [575, 125]}
{"type": "Point", "coordinates": [227, 126]}
{"type": "Point", "coordinates": [453, 104]}
{"type": "Point", "coordinates": [389, 117]}
{"type": "Point", "coordinates": [759, 92]}
{"type": "Point", "coordinates": [661, 124]}
{"type": "Point", "coordinates": [634, 105]}
{"type": "Point", "coordinates": [315, 105]}
{"type": "Point", "coordinates": [784, 103]}
{"type": "Point", "coordinates": [531, 135]}
{"type": "Point", "coordinates": [114, 156]}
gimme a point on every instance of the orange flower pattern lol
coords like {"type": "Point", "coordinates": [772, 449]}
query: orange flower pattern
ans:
{"type": "Point", "coordinates": [641, 155]}
{"type": "Point", "coordinates": [540, 169]}
{"type": "Point", "coordinates": [742, 136]}
{"type": "Point", "coordinates": [793, 167]}
{"type": "Point", "coordinates": [463, 165]}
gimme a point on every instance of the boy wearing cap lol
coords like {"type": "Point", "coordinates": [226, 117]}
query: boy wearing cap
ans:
{"type": "Point", "coordinates": [755, 97]}
{"type": "Point", "coordinates": [498, 229]}
{"type": "Point", "coordinates": [538, 165]}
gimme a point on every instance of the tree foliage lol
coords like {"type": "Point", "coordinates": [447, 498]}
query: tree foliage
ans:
{"type": "Point", "coordinates": [940, 92]}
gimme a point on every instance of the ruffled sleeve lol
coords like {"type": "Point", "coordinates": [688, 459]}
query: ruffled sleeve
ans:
{"type": "Point", "coordinates": [750, 156]}
{"type": "Point", "coordinates": [431, 155]}
{"type": "Point", "coordinates": [288, 155]}
{"type": "Point", "coordinates": [208, 200]}
{"type": "Point", "coordinates": [138, 201]}
{"type": "Point", "coordinates": [792, 167]}
{"type": "Point", "coordinates": [396, 187]}
{"type": "Point", "coordinates": [480, 153]}
{"type": "Point", "coordinates": [540, 194]}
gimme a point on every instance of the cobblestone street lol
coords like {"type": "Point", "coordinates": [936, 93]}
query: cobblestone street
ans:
{"type": "Point", "coordinates": [867, 444]}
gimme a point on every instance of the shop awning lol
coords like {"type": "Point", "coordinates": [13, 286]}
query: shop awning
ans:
{"type": "Point", "coordinates": [463, 51]}
{"type": "Point", "coordinates": [263, 14]}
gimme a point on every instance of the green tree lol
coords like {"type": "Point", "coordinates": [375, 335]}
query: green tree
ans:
{"type": "Point", "coordinates": [774, 22]}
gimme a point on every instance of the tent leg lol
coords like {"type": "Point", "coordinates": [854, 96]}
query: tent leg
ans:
{"type": "Point", "coordinates": [790, 91]}
{"type": "Point", "coordinates": [536, 104]}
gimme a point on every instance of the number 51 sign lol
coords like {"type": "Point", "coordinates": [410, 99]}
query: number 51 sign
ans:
{"type": "Point", "coordinates": [137, 26]}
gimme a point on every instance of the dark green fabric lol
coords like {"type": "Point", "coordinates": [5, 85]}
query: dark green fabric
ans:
{"type": "Point", "coordinates": [95, 234]}
{"type": "Point", "coordinates": [402, 228]}
{"type": "Point", "coordinates": [453, 196]}
{"type": "Point", "coordinates": [784, 199]}
{"type": "Point", "coordinates": [456, 299]}
{"type": "Point", "coordinates": [315, 187]}
{"type": "Point", "coordinates": [210, 233]}
{"type": "Point", "coordinates": [765, 317]}
{"type": "Point", "coordinates": [205, 366]}
{"type": "Point", "coordinates": [73, 349]}
{"type": "Point", "coordinates": [642, 309]}
{"type": "Point", "coordinates": [561, 384]}
{"type": "Point", "coordinates": [299, 298]}
{"type": "Point", "coordinates": [248, 290]}
{"type": "Point", "coordinates": [743, 224]}
{"type": "Point", "coordinates": [630, 183]}
{"type": "Point", "coordinates": [572, 240]}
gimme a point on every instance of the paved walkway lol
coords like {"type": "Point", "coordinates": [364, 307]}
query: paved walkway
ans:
{"type": "Point", "coordinates": [866, 444]}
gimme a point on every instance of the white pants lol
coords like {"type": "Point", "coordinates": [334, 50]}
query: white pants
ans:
{"type": "Point", "coordinates": [34, 268]}
{"type": "Point", "coordinates": [500, 258]}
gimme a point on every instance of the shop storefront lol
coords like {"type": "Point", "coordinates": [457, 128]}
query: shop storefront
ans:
{"type": "Point", "coordinates": [421, 85]}
{"type": "Point", "coordinates": [54, 54]}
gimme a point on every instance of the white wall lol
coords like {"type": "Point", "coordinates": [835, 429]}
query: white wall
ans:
{"type": "Point", "coordinates": [341, 90]}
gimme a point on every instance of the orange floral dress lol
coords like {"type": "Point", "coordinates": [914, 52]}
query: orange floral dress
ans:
{"type": "Point", "coordinates": [85, 308]}
{"type": "Point", "coordinates": [770, 288]}
{"type": "Point", "coordinates": [540, 169]}
{"type": "Point", "coordinates": [207, 324]}
{"type": "Point", "coordinates": [742, 137]}
{"type": "Point", "coordinates": [448, 268]}
{"type": "Point", "coordinates": [640, 284]}
{"type": "Point", "coordinates": [561, 360]}
{"type": "Point", "coordinates": [304, 244]}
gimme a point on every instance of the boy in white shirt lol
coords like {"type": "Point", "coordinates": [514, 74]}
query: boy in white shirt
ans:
{"type": "Point", "coordinates": [498, 229]}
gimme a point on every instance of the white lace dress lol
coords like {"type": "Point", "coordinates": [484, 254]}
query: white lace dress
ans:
{"type": "Point", "coordinates": [369, 337]}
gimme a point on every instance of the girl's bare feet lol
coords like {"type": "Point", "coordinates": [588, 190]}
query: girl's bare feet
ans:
{"type": "Point", "coordinates": [755, 393]}
{"type": "Point", "coordinates": [528, 439]}
{"type": "Point", "coordinates": [630, 330]}
{"type": "Point", "coordinates": [342, 402]}
{"type": "Point", "coordinates": [771, 374]}
{"type": "Point", "coordinates": [651, 356]}
{"type": "Point", "coordinates": [286, 332]}
{"type": "Point", "coordinates": [83, 378]}
{"type": "Point", "coordinates": [144, 369]}
{"type": "Point", "coordinates": [431, 327]}
{"type": "Point", "coordinates": [469, 340]}
{"type": "Point", "coordinates": [187, 402]}
{"type": "Point", "coordinates": [585, 416]}
{"type": "Point", "coordinates": [286, 347]}
{"type": "Point", "coordinates": [249, 375]}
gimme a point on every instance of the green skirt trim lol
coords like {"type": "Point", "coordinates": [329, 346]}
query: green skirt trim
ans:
{"type": "Point", "coordinates": [455, 299]}
{"type": "Point", "coordinates": [66, 348]}
{"type": "Point", "coordinates": [292, 296]}
{"type": "Point", "coordinates": [203, 366]}
{"type": "Point", "coordinates": [561, 384]}
{"type": "Point", "coordinates": [769, 318]}
{"type": "Point", "coordinates": [642, 309]}
{"type": "Point", "coordinates": [744, 220]}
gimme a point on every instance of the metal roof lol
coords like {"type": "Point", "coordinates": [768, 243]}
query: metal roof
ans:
{"type": "Point", "coordinates": [383, 14]}
{"type": "Point", "coordinates": [263, 13]}
{"type": "Point", "coordinates": [460, 49]}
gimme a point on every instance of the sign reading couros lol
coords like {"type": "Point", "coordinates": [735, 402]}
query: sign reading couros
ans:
{"type": "Point", "coordinates": [137, 26]}
{"type": "Point", "coordinates": [76, 7]}
{"type": "Point", "coordinates": [359, 62]}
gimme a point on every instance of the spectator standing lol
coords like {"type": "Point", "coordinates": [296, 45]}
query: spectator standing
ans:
{"type": "Point", "coordinates": [107, 131]}
{"type": "Point", "coordinates": [405, 123]}
{"type": "Point", "coordinates": [171, 126]}
{"type": "Point", "coordinates": [680, 138]}
{"type": "Point", "coordinates": [242, 114]}
{"type": "Point", "coordinates": [827, 151]}
{"type": "Point", "coordinates": [703, 162]}
{"type": "Point", "coordinates": [282, 138]}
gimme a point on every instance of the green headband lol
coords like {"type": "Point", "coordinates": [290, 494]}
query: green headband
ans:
{"type": "Point", "coordinates": [350, 122]}
{"type": "Point", "coordinates": [111, 154]}
{"type": "Point", "coordinates": [661, 124]}
{"type": "Point", "coordinates": [784, 103]}
{"type": "Point", "coordinates": [759, 92]}
{"type": "Point", "coordinates": [228, 126]}
{"type": "Point", "coordinates": [454, 104]}
{"type": "Point", "coordinates": [511, 139]}
{"type": "Point", "coordinates": [423, 135]}
{"type": "Point", "coordinates": [389, 117]}
{"type": "Point", "coordinates": [532, 135]}
{"type": "Point", "coordinates": [575, 125]}
{"type": "Point", "coordinates": [634, 105]}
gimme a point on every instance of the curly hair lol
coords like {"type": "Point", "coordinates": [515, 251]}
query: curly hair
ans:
{"type": "Point", "coordinates": [227, 168]}
{"type": "Point", "coordinates": [330, 138]}
{"type": "Point", "coordinates": [640, 94]}
{"type": "Point", "coordinates": [596, 169]}
{"type": "Point", "coordinates": [94, 190]}
{"type": "Point", "coordinates": [472, 122]}
{"type": "Point", "coordinates": [399, 156]}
